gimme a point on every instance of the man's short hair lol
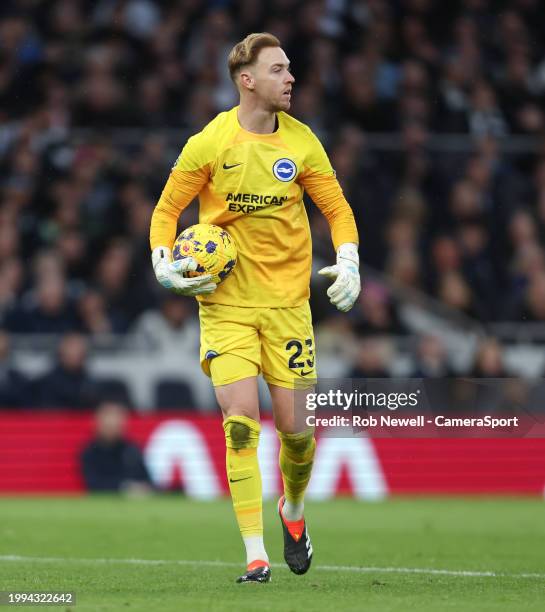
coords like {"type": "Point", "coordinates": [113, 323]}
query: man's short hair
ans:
{"type": "Point", "coordinates": [246, 51]}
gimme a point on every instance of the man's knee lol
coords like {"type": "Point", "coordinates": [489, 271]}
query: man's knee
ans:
{"type": "Point", "coordinates": [241, 432]}
{"type": "Point", "coordinates": [300, 446]}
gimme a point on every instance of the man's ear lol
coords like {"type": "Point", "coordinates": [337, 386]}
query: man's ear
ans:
{"type": "Point", "coordinates": [247, 80]}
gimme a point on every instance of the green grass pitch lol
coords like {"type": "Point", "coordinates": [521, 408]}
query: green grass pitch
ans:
{"type": "Point", "coordinates": [168, 553]}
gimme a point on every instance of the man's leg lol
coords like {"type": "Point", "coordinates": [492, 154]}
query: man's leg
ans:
{"type": "Point", "coordinates": [240, 407]}
{"type": "Point", "coordinates": [297, 448]}
{"type": "Point", "coordinates": [231, 355]}
{"type": "Point", "coordinates": [288, 364]}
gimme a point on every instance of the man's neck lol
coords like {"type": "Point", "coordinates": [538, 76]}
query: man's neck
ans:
{"type": "Point", "coordinates": [256, 120]}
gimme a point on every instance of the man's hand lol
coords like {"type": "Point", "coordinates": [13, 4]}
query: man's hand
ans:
{"type": "Point", "coordinates": [171, 274]}
{"type": "Point", "coordinates": [346, 288]}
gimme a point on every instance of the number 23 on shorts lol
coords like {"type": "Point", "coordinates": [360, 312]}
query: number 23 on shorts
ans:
{"type": "Point", "coordinates": [302, 364]}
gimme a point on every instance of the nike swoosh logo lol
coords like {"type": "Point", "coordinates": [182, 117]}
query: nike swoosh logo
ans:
{"type": "Point", "coordinates": [239, 479]}
{"type": "Point", "coordinates": [226, 167]}
{"type": "Point", "coordinates": [303, 373]}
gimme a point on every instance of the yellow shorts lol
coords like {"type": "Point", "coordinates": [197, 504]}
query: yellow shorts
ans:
{"type": "Point", "coordinates": [277, 342]}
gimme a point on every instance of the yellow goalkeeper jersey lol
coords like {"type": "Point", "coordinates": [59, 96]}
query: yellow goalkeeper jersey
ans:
{"type": "Point", "coordinates": [252, 185]}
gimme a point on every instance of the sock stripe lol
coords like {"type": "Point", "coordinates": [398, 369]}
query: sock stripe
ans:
{"type": "Point", "coordinates": [254, 510]}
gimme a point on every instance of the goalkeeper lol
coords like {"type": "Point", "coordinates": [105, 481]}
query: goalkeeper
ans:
{"type": "Point", "coordinates": [250, 167]}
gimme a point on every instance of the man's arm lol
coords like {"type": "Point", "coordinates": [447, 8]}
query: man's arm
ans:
{"type": "Point", "coordinates": [187, 178]}
{"type": "Point", "coordinates": [328, 196]}
{"type": "Point", "coordinates": [319, 179]}
{"type": "Point", "coordinates": [180, 189]}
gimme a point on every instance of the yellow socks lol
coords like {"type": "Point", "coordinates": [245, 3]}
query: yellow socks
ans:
{"type": "Point", "coordinates": [241, 440]}
{"type": "Point", "coordinates": [296, 458]}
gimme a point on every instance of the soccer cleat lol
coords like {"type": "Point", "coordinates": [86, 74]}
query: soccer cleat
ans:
{"type": "Point", "coordinates": [297, 546]}
{"type": "Point", "coordinates": [257, 571]}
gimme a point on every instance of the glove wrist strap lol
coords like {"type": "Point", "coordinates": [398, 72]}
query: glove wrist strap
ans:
{"type": "Point", "coordinates": [348, 251]}
{"type": "Point", "coordinates": [160, 254]}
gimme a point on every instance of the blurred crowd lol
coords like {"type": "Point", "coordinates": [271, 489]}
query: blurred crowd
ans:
{"type": "Point", "coordinates": [463, 226]}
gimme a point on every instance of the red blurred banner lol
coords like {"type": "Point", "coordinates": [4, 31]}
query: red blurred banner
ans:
{"type": "Point", "coordinates": [39, 453]}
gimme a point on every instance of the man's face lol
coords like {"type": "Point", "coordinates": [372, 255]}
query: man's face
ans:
{"type": "Point", "coordinates": [73, 352]}
{"type": "Point", "coordinates": [271, 79]}
{"type": "Point", "coordinates": [111, 421]}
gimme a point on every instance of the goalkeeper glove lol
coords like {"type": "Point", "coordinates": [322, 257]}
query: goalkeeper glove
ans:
{"type": "Point", "coordinates": [172, 274]}
{"type": "Point", "coordinates": [346, 288]}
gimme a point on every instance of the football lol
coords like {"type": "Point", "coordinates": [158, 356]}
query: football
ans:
{"type": "Point", "coordinates": [211, 247]}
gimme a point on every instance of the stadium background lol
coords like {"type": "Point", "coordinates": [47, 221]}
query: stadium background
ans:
{"type": "Point", "coordinates": [432, 114]}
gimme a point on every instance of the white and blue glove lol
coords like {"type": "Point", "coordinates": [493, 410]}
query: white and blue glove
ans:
{"type": "Point", "coordinates": [172, 274]}
{"type": "Point", "coordinates": [346, 288]}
